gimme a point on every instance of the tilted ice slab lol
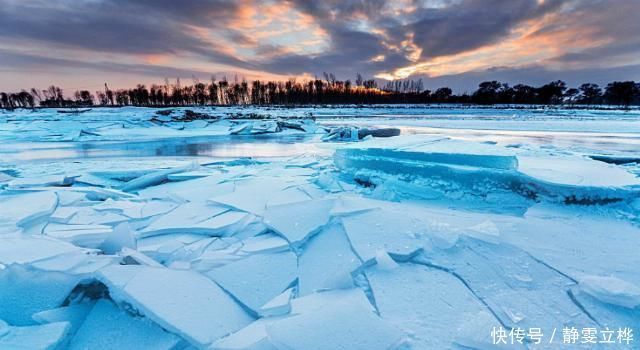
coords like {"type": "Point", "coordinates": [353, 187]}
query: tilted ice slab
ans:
{"type": "Point", "coordinates": [297, 221]}
{"type": "Point", "coordinates": [431, 305]}
{"type": "Point", "coordinates": [154, 178]}
{"type": "Point", "coordinates": [88, 236]}
{"type": "Point", "coordinates": [46, 269]}
{"type": "Point", "coordinates": [579, 179]}
{"type": "Point", "coordinates": [183, 302]}
{"type": "Point", "coordinates": [182, 218]}
{"type": "Point", "coordinates": [253, 195]}
{"type": "Point", "coordinates": [257, 279]}
{"type": "Point", "coordinates": [333, 320]}
{"type": "Point", "coordinates": [337, 319]}
{"type": "Point", "coordinates": [451, 166]}
{"type": "Point", "coordinates": [611, 290]}
{"type": "Point", "coordinates": [107, 326]}
{"type": "Point", "coordinates": [327, 262]}
{"type": "Point", "coordinates": [431, 149]}
{"type": "Point", "coordinates": [24, 209]}
{"type": "Point", "coordinates": [42, 337]}
{"type": "Point", "coordinates": [401, 233]}
{"type": "Point", "coordinates": [74, 314]}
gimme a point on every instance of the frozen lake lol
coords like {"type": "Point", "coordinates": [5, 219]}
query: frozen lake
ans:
{"type": "Point", "coordinates": [589, 131]}
{"type": "Point", "coordinates": [277, 228]}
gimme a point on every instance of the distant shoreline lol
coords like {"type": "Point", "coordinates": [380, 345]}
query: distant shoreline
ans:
{"type": "Point", "coordinates": [370, 106]}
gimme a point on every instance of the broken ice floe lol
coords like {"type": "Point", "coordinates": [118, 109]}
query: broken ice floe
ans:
{"type": "Point", "coordinates": [345, 133]}
{"type": "Point", "coordinates": [42, 337]}
{"type": "Point", "coordinates": [293, 253]}
{"type": "Point", "coordinates": [611, 290]}
{"type": "Point", "coordinates": [107, 326]}
{"type": "Point", "coordinates": [183, 302]}
{"type": "Point", "coordinates": [448, 167]}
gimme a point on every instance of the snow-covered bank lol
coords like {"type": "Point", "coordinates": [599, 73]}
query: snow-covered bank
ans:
{"type": "Point", "coordinates": [414, 241]}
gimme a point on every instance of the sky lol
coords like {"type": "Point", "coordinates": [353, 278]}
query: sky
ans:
{"type": "Point", "coordinates": [82, 44]}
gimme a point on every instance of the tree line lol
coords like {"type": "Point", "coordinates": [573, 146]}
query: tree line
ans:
{"type": "Point", "coordinates": [324, 91]}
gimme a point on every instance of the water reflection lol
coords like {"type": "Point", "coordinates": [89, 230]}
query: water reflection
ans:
{"type": "Point", "coordinates": [212, 146]}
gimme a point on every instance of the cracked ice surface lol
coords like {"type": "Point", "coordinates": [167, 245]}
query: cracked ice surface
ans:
{"type": "Point", "coordinates": [412, 242]}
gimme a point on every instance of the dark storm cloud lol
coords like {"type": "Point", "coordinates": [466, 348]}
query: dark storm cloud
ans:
{"type": "Point", "coordinates": [601, 21]}
{"type": "Point", "coordinates": [34, 64]}
{"type": "Point", "coordinates": [451, 29]}
{"type": "Point", "coordinates": [351, 49]}
{"type": "Point", "coordinates": [134, 27]}
{"type": "Point", "coordinates": [471, 24]}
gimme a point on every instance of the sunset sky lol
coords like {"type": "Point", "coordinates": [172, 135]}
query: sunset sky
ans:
{"type": "Point", "coordinates": [81, 44]}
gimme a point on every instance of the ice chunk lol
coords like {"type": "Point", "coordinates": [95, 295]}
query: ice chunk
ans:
{"type": "Point", "coordinates": [43, 337]}
{"type": "Point", "coordinates": [219, 253]}
{"type": "Point", "coordinates": [287, 196]}
{"type": "Point", "coordinates": [279, 305]}
{"type": "Point", "coordinates": [197, 190]}
{"type": "Point", "coordinates": [428, 304]}
{"type": "Point", "coordinates": [88, 216]}
{"type": "Point", "coordinates": [27, 249]}
{"type": "Point", "coordinates": [347, 205]}
{"type": "Point", "coordinates": [262, 127]}
{"type": "Point", "coordinates": [251, 337]}
{"type": "Point", "coordinates": [23, 209]}
{"type": "Point", "coordinates": [258, 278]}
{"type": "Point", "coordinates": [518, 289]}
{"type": "Point", "coordinates": [189, 175]}
{"type": "Point", "coordinates": [384, 262]}
{"type": "Point", "coordinates": [120, 237]}
{"type": "Point", "coordinates": [49, 180]}
{"type": "Point", "coordinates": [335, 325]}
{"type": "Point", "coordinates": [108, 327]}
{"type": "Point", "coordinates": [607, 314]}
{"type": "Point", "coordinates": [48, 269]}
{"type": "Point", "coordinates": [88, 236]}
{"type": "Point", "coordinates": [576, 171]}
{"type": "Point", "coordinates": [153, 178]}
{"type": "Point", "coordinates": [390, 230]}
{"type": "Point", "coordinates": [134, 257]}
{"type": "Point", "coordinates": [188, 218]}
{"type": "Point", "coordinates": [611, 290]}
{"type": "Point", "coordinates": [486, 231]}
{"type": "Point", "coordinates": [46, 290]}
{"type": "Point", "coordinates": [327, 262]}
{"type": "Point", "coordinates": [62, 215]}
{"type": "Point", "coordinates": [73, 314]}
{"type": "Point", "coordinates": [68, 198]}
{"type": "Point", "coordinates": [297, 221]}
{"type": "Point", "coordinates": [578, 180]}
{"type": "Point", "coordinates": [183, 302]}
{"type": "Point", "coordinates": [4, 177]}
{"type": "Point", "coordinates": [590, 238]}
{"type": "Point", "coordinates": [252, 195]}
{"type": "Point", "coordinates": [267, 243]}
{"type": "Point", "coordinates": [243, 128]}
{"type": "Point", "coordinates": [426, 149]}
{"type": "Point", "coordinates": [161, 248]}
{"type": "Point", "coordinates": [129, 210]}
{"type": "Point", "coordinates": [343, 133]}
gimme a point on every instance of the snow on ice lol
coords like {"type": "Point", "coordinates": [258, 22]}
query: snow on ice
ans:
{"type": "Point", "coordinates": [362, 241]}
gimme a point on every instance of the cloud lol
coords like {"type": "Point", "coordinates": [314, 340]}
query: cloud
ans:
{"type": "Point", "coordinates": [449, 38]}
{"type": "Point", "coordinates": [115, 26]}
{"type": "Point", "coordinates": [471, 24]}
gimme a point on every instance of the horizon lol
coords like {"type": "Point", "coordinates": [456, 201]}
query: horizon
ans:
{"type": "Point", "coordinates": [453, 43]}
